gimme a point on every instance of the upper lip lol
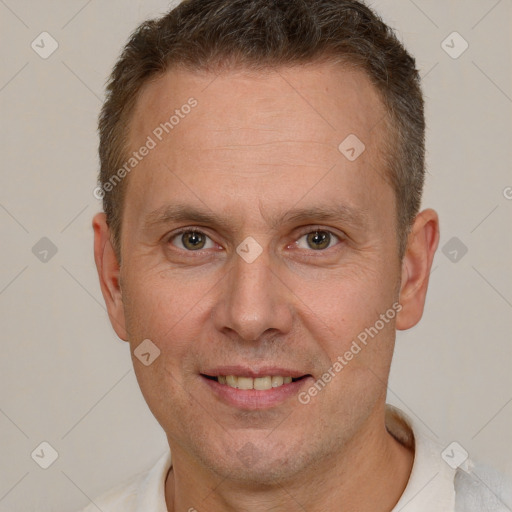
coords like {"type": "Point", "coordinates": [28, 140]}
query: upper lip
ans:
{"type": "Point", "coordinates": [253, 372]}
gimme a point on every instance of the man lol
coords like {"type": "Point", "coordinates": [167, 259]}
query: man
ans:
{"type": "Point", "coordinates": [262, 164]}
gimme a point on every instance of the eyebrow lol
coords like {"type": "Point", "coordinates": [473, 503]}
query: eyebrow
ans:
{"type": "Point", "coordinates": [177, 212]}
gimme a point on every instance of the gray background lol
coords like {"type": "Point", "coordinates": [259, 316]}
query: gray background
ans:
{"type": "Point", "coordinates": [64, 376]}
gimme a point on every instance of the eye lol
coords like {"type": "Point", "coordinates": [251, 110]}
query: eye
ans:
{"type": "Point", "coordinates": [317, 240]}
{"type": "Point", "coordinates": [191, 240]}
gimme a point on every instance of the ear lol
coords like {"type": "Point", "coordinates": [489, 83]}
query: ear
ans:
{"type": "Point", "coordinates": [108, 273]}
{"type": "Point", "coordinates": [421, 247]}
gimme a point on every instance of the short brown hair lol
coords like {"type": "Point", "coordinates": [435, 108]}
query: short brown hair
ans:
{"type": "Point", "coordinates": [262, 34]}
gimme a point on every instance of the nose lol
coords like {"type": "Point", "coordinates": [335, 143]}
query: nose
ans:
{"type": "Point", "coordinates": [253, 301]}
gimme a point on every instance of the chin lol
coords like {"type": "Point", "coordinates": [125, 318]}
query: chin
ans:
{"type": "Point", "coordinates": [258, 464]}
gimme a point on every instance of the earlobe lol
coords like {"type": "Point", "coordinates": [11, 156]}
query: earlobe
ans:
{"type": "Point", "coordinates": [417, 263]}
{"type": "Point", "coordinates": [108, 269]}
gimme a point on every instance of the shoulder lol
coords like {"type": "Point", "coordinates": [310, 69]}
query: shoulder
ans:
{"type": "Point", "coordinates": [443, 482]}
{"type": "Point", "coordinates": [479, 487]}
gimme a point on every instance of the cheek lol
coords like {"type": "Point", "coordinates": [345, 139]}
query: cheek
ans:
{"type": "Point", "coordinates": [351, 297]}
{"type": "Point", "coordinates": [353, 317]}
{"type": "Point", "coordinates": [169, 316]}
{"type": "Point", "coordinates": [156, 305]}
{"type": "Point", "coordinates": [172, 312]}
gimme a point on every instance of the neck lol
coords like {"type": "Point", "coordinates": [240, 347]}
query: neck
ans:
{"type": "Point", "coordinates": [368, 475]}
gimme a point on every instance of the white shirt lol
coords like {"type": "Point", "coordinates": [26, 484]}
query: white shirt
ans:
{"type": "Point", "coordinates": [433, 486]}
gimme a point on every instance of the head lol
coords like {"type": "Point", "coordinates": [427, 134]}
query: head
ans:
{"type": "Point", "coordinates": [285, 139]}
{"type": "Point", "coordinates": [214, 36]}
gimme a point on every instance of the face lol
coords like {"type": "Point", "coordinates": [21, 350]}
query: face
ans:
{"type": "Point", "coordinates": [252, 246]}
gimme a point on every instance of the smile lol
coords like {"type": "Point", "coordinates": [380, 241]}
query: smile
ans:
{"type": "Point", "coordinates": [259, 383]}
{"type": "Point", "coordinates": [261, 392]}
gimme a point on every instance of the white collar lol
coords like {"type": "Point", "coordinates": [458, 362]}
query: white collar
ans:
{"type": "Point", "coordinates": [151, 493]}
{"type": "Point", "coordinates": [431, 483]}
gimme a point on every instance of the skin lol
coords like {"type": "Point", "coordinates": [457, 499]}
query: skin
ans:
{"type": "Point", "coordinates": [255, 147]}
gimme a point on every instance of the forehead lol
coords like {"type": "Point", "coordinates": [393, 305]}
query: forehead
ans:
{"type": "Point", "coordinates": [321, 99]}
{"type": "Point", "coordinates": [283, 125]}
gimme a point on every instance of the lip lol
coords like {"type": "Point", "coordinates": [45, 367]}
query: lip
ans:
{"type": "Point", "coordinates": [254, 399]}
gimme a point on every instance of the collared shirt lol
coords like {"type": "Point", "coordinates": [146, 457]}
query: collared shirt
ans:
{"type": "Point", "coordinates": [437, 475]}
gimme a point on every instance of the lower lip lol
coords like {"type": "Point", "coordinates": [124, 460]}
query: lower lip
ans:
{"type": "Point", "coordinates": [255, 398]}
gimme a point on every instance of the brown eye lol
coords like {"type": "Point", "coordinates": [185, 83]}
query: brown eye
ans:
{"type": "Point", "coordinates": [317, 240]}
{"type": "Point", "coordinates": [190, 240]}
{"type": "Point", "coordinates": [193, 240]}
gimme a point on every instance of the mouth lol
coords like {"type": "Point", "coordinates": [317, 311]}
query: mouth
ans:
{"type": "Point", "coordinates": [250, 389]}
{"type": "Point", "coordinates": [263, 383]}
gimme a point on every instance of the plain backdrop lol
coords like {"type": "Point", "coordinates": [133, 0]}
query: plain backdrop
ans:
{"type": "Point", "coordinates": [65, 378]}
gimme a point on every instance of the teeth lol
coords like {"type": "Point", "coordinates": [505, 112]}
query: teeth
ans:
{"type": "Point", "coordinates": [260, 383]}
{"type": "Point", "coordinates": [232, 381]}
{"type": "Point", "coordinates": [277, 381]}
{"type": "Point", "coordinates": [245, 383]}
{"type": "Point", "coordinates": [263, 383]}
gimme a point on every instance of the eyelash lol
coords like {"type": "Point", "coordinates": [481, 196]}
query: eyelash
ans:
{"type": "Point", "coordinates": [200, 251]}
